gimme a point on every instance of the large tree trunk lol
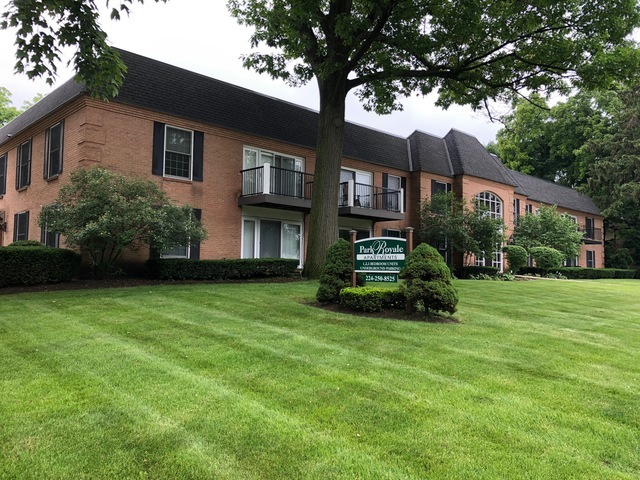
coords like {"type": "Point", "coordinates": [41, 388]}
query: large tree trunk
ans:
{"type": "Point", "coordinates": [323, 223]}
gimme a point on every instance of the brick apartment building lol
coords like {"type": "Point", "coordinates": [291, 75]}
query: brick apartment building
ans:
{"type": "Point", "coordinates": [245, 162]}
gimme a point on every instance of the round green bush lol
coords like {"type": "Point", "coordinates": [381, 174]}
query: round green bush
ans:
{"type": "Point", "coordinates": [516, 256]}
{"type": "Point", "coordinates": [546, 258]}
{"type": "Point", "coordinates": [336, 273]}
{"type": "Point", "coordinates": [26, 243]}
{"type": "Point", "coordinates": [428, 281]}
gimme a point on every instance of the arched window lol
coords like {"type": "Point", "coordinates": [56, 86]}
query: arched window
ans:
{"type": "Point", "coordinates": [492, 205]}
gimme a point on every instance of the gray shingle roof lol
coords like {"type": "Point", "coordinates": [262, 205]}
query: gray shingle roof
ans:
{"type": "Point", "coordinates": [56, 99]}
{"type": "Point", "coordinates": [161, 87]}
{"type": "Point", "coordinates": [166, 88]}
{"type": "Point", "coordinates": [550, 193]}
{"type": "Point", "coordinates": [469, 157]}
{"type": "Point", "coordinates": [429, 153]}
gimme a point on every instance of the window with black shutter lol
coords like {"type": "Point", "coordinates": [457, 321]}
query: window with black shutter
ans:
{"type": "Point", "coordinates": [177, 152]}
{"type": "Point", "coordinates": [53, 151]}
{"type": "Point", "coordinates": [23, 165]}
{"type": "Point", "coordinates": [3, 174]}
{"type": "Point", "coordinates": [21, 226]}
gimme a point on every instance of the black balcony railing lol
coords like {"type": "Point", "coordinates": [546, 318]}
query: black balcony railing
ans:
{"type": "Point", "coordinates": [370, 196]}
{"type": "Point", "coordinates": [288, 183]}
{"type": "Point", "coordinates": [268, 180]}
{"type": "Point", "coordinates": [591, 233]}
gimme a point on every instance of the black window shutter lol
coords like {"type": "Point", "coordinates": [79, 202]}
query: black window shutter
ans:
{"type": "Point", "coordinates": [403, 185]}
{"type": "Point", "coordinates": [3, 174]}
{"type": "Point", "coordinates": [157, 161]}
{"type": "Point", "coordinates": [385, 232]}
{"type": "Point", "coordinates": [43, 236]}
{"type": "Point", "coordinates": [194, 251]}
{"type": "Point", "coordinates": [18, 169]}
{"type": "Point", "coordinates": [448, 187]}
{"type": "Point", "coordinates": [61, 153]}
{"type": "Point", "coordinates": [25, 229]}
{"type": "Point", "coordinates": [16, 225]}
{"type": "Point", "coordinates": [385, 184]}
{"type": "Point", "coordinates": [198, 156]}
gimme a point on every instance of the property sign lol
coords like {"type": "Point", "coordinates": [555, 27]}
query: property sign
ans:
{"type": "Point", "coordinates": [381, 277]}
{"type": "Point", "coordinates": [380, 255]}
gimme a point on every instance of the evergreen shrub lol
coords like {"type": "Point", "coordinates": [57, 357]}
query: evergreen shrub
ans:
{"type": "Point", "coordinates": [516, 257]}
{"type": "Point", "coordinates": [234, 269]}
{"type": "Point", "coordinates": [428, 281]}
{"type": "Point", "coordinates": [336, 273]}
{"type": "Point", "coordinates": [372, 299]}
{"type": "Point", "coordinates": [475, 271]}
{"type": "Point", "coordinates": [546, 258]}
{"type": "Point", "coordinates": [35, 265]}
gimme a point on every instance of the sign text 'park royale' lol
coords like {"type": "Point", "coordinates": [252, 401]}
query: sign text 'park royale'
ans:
{"type": "Point", "coordinates": [380, 254]}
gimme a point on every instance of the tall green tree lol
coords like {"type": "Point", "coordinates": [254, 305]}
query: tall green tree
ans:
{"type": "Point", "coordinates": [7, 111]}
{"type": "Point", "coordinates": [549, 142]}
{"type": "Point", "coordinates": [447, 220]}
{"type": "Point", "coordinates": [106, 213]}
{"type": "Point", "coordinates": [469, 52]}
{"type": "Point", "coordinates": [548, 228]}
{"type": "Point", "coordinates": [614, 182]}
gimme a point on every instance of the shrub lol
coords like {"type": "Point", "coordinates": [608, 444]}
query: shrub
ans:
{"type": "Point", "coordinates": [371, 299]}
{"type": "Point", "coordinates": [472, 270]}
{"type": "Point", "coordinates": [428, 281]}
{"type": "Point", "coordinates": [336, 273]}
{"type": "Point", "coordinates": [33, 265]}
{"type": "Point", "coordinates": [184, 269]}
{"type": "Point", "coordinates": [581, 273]}
{"type": "Point", "coordinates": [546, 258]}
{"type": "Point", "coordinates": [516, 256]}
{"type": "Point", "coordinates": [26, 243]}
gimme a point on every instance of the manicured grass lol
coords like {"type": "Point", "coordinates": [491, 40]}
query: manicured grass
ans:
{"type": "Point", "coordinates": [539, 380]}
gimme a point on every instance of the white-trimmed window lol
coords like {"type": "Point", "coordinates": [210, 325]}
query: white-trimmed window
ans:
{"type": "Point", "coordinates": [492, 206]}
{"type": "Point", "coordinates": [286, 176]}
{"type": "Point", "coordinates": [178, 251]}
{"type": "Point", "coordinates": [528, 208]}
{"type": "Point", "coordinates": [178, 152]}
{"type": "Point", "coordinates": [53, 151]}
{"type": "Point", "coordinates": [363, 187]}
{"type": "Point", "coordinates": [272, 238]}
{"type": "Point", "coordinates": [591, 259]}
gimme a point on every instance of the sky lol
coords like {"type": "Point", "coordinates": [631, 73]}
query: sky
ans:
{"type": "Point", "coordinates": [201, 36]}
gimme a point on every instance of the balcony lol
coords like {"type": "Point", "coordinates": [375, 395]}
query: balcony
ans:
{"type": "Point", "coordinates": [274, 187]}
{"type": "Point", "coordinates": [591, 235]}
{"type": "Point", "coordinates": [358, 200]}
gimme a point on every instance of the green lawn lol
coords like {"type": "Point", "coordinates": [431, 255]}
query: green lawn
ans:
{"type": "Point", "coordinates": [539, 380]}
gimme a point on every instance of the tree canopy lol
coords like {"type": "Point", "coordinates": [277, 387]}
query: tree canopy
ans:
{"type": "Point", "coordinates": [469, 52]}
{"type": "Point", "coordinates": [447, 220]}
{"type": "Point", "coordinates": [548, 228]}
{"type": "Point", "coordinates": [7, 111]}
{"type": "Point", "coordinates": [551, 142]}
{"type": "Point", "coordinates": [106, 213]}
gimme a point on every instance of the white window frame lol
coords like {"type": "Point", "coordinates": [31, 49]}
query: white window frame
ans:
{"type": "Point", "coordinates": [48, 174]}
{"type": "Point", "coordinates": [20, 217]}
{"type": "Point", "coordinates": [493, 200]}
{"type": "Point", "coordinates": [21, 166]}
{"type": "Point", "coordinates": [256, 237]}
{"type": "Point", "coordinates": [164, 156]}
{"type": "Point", "coordinates": [188, 254]}
{"type": "Point", "coordinates": [299, 161]}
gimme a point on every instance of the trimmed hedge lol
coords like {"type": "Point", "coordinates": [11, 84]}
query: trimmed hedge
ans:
{"type": "Point", "coordinates": [476, 271]}
{"type": "Point", "coordinates": [183, 269]}
{"type": "Point", "coordinates": [581, 273]}
{"type": "Point", "coordinates": [32, 265]}
{"type": "Point", "coordinates": [372, 299]}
